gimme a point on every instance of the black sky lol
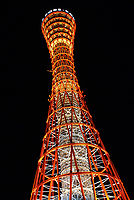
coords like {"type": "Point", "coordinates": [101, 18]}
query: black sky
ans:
{"type": "Point", "coordinates": [104, 61]}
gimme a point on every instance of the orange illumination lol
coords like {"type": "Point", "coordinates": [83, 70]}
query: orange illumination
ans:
{"type": "Point", "coordinates": [73, 163]}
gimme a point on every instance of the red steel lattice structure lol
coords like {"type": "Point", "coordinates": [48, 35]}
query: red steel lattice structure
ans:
{"type": "Point", "coordinates": [74, 163]}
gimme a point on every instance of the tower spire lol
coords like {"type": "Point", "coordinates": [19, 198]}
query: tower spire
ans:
{"type": "Point", "coordinates": [73, 163]}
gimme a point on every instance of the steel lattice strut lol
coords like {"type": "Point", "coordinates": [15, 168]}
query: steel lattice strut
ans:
{"type": "Point", "coordinates": [74, 163]}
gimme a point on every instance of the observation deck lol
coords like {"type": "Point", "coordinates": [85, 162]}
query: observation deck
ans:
{"type": "Point", "coordinates": [58, 28]}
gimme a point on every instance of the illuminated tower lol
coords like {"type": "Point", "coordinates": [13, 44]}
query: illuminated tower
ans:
{"type": "Point", "coordinates": [73, 163]}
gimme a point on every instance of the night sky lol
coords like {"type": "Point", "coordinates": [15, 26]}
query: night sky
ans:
{"type": "Point", "coordinates": [104, 61]}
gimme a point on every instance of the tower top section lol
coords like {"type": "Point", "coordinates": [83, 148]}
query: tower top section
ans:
{"type": "Point", "coordinates": [58, 28]}
{"type": "Point", "coordinates": [58, 10]}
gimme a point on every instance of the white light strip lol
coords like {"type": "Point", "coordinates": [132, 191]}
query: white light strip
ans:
{"type": "Point", "coordinates": [59, 9]}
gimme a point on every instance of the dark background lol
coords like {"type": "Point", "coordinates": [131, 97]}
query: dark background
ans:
{"type": "Point", "coordinates": [104, 60]}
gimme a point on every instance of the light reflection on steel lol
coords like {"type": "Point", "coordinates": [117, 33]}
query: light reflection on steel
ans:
{"type": "Point", "coordinates": [73, 163]}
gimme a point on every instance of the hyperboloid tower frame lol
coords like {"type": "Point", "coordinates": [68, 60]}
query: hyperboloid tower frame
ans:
{"type": "Point", "coordinates": [73, 163]}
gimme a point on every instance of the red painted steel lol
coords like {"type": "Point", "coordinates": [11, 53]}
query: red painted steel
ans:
{"type": "Point", "coordinates": [73, 163]}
